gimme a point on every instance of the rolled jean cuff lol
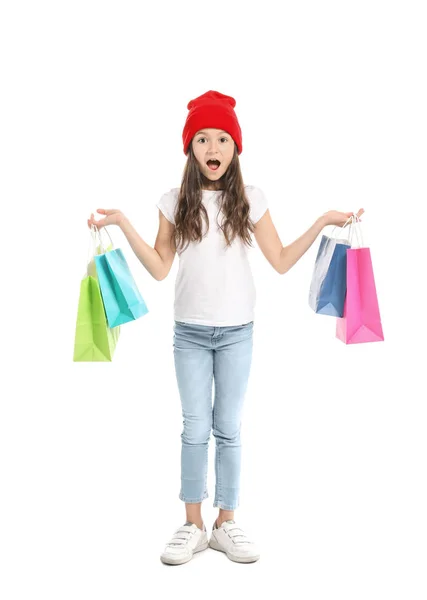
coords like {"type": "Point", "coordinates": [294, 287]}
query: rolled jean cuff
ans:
{"type": "Point", "coordinates": [217, 504]}
{"type": "Point", "coordinates": [193, 500]}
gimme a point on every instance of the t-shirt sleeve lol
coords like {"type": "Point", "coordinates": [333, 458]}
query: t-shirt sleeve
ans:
{"type": "Point", "coordinates": [258, 203]}
{"type": "Point", "coordinates": [167, 205]}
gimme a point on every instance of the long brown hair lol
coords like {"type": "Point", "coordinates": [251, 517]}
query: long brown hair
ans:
{"type": "Point", "coordinates": [233, 203]}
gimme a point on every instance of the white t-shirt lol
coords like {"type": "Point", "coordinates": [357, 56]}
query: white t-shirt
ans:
{"type": "Point", "coordinates": [214, 285]}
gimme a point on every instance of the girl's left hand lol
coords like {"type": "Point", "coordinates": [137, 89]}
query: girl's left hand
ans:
{"type": "Point", "coordinates": [334, 217]}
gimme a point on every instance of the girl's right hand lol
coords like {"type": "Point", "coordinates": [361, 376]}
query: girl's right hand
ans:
{"type": "Point", "coordinates": [112, 217]}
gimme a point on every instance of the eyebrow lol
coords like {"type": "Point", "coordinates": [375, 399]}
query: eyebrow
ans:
{"type": "Point", "coordinates": [204, 132]}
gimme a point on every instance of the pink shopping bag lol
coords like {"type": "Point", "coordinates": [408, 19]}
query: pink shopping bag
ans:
{"type": "Point", "coordinates": [361, 321]}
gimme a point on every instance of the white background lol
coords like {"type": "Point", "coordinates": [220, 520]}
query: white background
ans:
{"type": "Point", "coordinates": [331, 98]}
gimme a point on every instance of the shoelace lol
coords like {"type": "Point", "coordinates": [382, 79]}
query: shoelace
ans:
{"type": "Point", "coordinates": [182, 540]}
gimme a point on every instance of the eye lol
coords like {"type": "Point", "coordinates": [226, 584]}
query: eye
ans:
{"type": "Point", "coordinates": [203, 138]}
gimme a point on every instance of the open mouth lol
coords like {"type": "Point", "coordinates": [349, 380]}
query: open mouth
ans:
{"type": "Point", "coordinates": [213, 164]}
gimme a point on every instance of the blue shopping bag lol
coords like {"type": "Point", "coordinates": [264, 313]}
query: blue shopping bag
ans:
{"type": "Point", "coordinates": [329, 281]}
{"type": "Point", "coordinates": [121, 298]}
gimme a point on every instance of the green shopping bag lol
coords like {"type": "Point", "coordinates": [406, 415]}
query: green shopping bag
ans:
{"type": "Point", "coordinates": [94, 340]}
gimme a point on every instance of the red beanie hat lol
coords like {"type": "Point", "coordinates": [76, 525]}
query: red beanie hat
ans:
{"type": "Point", "coordinates": [212, 110]}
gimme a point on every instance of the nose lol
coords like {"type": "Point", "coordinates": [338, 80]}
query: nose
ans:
{"type": "Point", "coordinates": [212, 148]}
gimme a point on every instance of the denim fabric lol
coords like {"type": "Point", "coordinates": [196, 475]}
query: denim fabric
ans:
{"type": "Point", "coordinates": [204, 354]}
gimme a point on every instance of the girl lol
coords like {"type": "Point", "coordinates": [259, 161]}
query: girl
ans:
{"type": "Point", "coordinates": [213, 310]}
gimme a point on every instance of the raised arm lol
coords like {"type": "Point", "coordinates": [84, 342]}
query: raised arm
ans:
{"type": "Point", "coordinates": [158, 260]}
{"type": "Point", "coordinates": [282, 258]}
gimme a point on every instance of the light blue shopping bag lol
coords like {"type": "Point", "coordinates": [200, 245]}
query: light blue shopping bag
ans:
{"type": "Point", "coordinates": [329, 280]}
{"type": "Point", "coordinates": [121, 298]}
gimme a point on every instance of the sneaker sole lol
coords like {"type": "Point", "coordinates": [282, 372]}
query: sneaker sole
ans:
{"type": "Point", "coordinates": [181, 561]}
{"type": "Point", "coordinates": [241, 559]}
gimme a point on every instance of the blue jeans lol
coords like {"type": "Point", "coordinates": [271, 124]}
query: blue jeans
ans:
{"type": "Point", "coordinates": [203, 354]}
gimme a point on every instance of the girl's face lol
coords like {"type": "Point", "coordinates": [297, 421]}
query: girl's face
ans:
{"type": "Point", "coordinates": [213, 144]}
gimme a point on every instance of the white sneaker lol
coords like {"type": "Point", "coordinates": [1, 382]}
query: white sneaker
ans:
{"type": "Point", "coordinates": [234, 542]}
{"type": "Point", "coordinates": [186, 540]}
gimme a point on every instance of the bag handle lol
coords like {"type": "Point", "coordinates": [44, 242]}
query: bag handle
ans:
{"type": "Point", "coordinates": [96, 239]}
{"type": "Point", "coordinates": [100, 238]}
{"type": "Point", "coordinates": [92, 244]}
{"type": "Point", "coordinates": [356, 227]}
{"type": "Point", "coordinates": [350, 219]}
{"type": "Point", "coordinates": [332, 239]}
